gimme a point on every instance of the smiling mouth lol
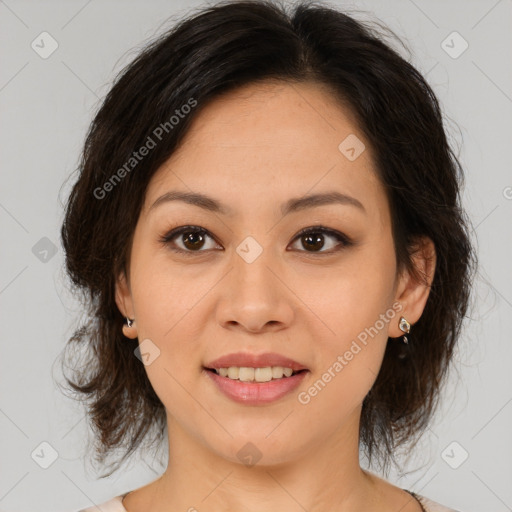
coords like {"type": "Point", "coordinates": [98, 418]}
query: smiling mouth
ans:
{"type": "Point", "coordinates": [249, 374]}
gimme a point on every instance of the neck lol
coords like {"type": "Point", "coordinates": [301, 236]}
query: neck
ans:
{"type": "Point", "coordinates": [312, 478]}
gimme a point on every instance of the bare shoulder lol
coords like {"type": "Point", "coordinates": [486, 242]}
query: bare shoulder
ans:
{"type": "Point", "coordinates": [432, 506]}
{"type": "Point", "coordinates": [390, 498]}
{"type": "Point", "coordinates": [404, 500]}
{"type": "Point", "coordinates": [113, 505]}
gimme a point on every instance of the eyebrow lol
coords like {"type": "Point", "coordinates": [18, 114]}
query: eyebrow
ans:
{"type": "Point", "coordinates": [292, 205]}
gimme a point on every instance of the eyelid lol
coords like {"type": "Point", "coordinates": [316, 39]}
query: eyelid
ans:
{"type": "Point", "coordinates": [343, 240]}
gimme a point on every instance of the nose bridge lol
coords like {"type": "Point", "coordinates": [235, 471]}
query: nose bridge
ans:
{"type": "Point", "coordinates": [256, 296]}
{"type": "Point", "coordinates": [253, 267]}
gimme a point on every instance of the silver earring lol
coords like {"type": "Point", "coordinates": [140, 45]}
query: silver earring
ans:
{"type": "Point", "coordinates": [129, 322]}
{"type": "Point", "coordinates": [404, 326]}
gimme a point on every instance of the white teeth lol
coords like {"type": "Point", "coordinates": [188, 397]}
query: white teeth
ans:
{"type": "Point", "coordinates": [287, 372]}
{"type": "Point", "coordinates": [263, 374]}
{"type": "Point", "coordinates": [247, 374]}
{"type": "Point", "coordinates": [233, 372]}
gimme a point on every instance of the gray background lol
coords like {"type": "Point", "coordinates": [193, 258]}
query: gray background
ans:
{"type": "Point", "coordinates": [46, 106]}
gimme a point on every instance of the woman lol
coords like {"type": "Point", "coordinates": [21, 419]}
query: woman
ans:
{"type": "Point", "coordinates": [267, 224]}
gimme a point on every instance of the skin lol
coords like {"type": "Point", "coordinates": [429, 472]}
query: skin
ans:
{"type": "Point", "coordinates": [252, 150]}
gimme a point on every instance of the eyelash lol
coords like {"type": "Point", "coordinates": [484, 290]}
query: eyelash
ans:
{"type": "Point", "coordinates": [340, 237]}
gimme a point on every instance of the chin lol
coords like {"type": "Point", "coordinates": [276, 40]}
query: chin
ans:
{"type": "Point", "coordinates": [253, 448]}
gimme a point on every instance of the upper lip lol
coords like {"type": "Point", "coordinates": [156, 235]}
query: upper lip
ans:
{"type": "Point", "coordinates": [244, 359]}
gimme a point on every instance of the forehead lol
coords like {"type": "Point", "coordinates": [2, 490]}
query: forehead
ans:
{"type": "Point", "coordinates": [271, 141]}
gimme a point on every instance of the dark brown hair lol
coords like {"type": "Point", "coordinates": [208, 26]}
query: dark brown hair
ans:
{"type": "Point", "coordinates": [217, 50]}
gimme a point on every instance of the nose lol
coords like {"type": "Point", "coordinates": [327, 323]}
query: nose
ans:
{"type": "Point", "coordinates": [255, 297]}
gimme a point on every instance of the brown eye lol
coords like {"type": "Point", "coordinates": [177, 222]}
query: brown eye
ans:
{"type": "Point", "coordinates": [193, 240]}
{"type": "Point", "coordinates": [187, 239]}
{"type": "Point", "coordinates": [313, 239]}
{"type": "Point", "coordinates": [314, 242]}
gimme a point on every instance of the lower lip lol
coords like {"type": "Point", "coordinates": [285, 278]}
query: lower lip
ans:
{"type": "Point", "coordinates": [256, 393]}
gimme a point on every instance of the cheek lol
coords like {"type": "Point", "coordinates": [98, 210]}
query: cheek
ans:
{"type": "Point", "coordinates": [165, 308]}
{"type": "Point", "coordinates": [351, 300]}
{"type": "Point", "coordinates": [165, 295]}
{"type": "Point", "coordinates": [349, 360]}
{"type": "Point", "coordinates": [166, 312]}
{"type": "Point", "coordinates": [353, 311]}
{"type": "Point", "coordinates": [164, 304]}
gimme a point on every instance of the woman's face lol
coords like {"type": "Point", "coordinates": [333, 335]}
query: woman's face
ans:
{"type": "Point", "coordinates": [247, 283]}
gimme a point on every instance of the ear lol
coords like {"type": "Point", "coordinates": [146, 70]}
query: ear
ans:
{"type": "Point", "coordinates": [124, 302]}
{"type": "Point", "coordinates": [124, 295]}
{"type": "Point", "coordinates": [413, 288]}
